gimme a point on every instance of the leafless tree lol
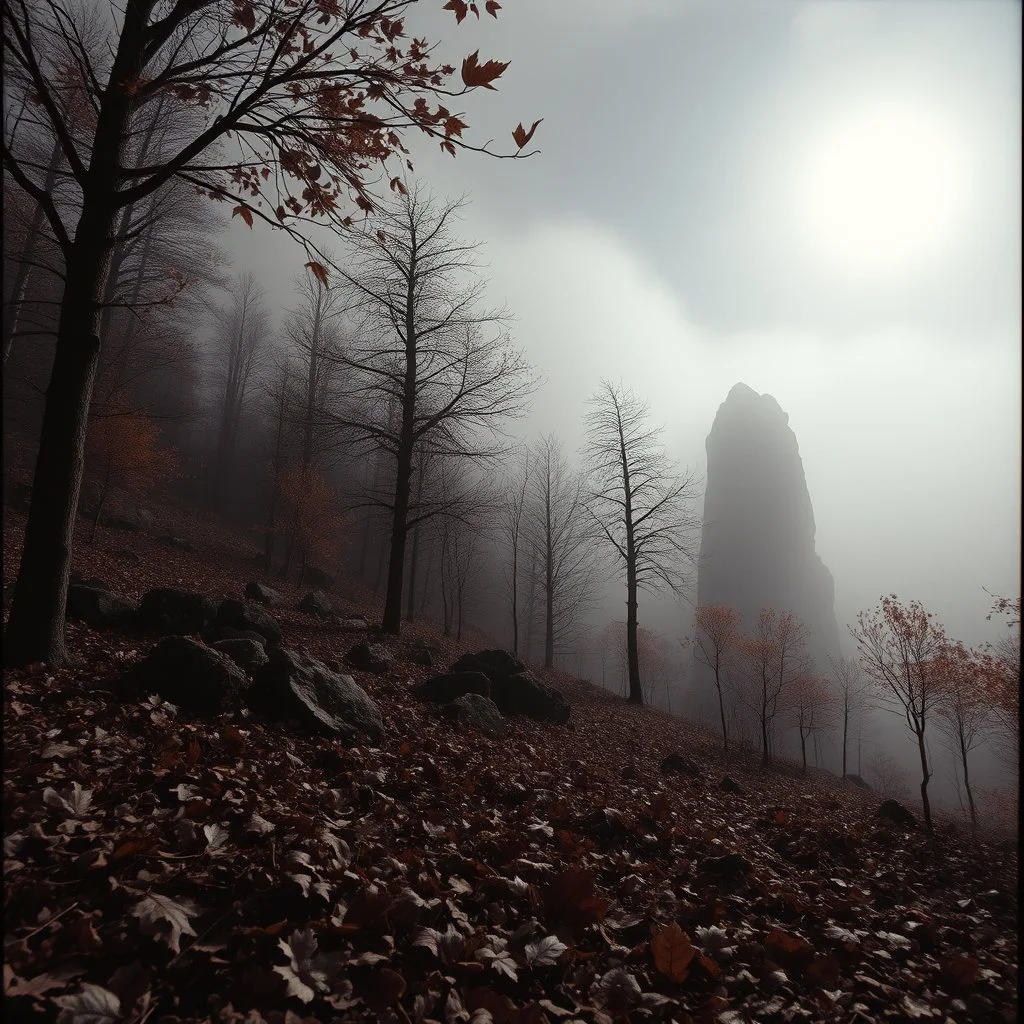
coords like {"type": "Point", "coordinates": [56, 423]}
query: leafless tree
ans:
{"type": "Point", "coordinates": [811, 707]}
{"type": "Point", "coordinates": [716, 639]}
{"type": "Point", "coordinates": [241, 342]}
{"type": "Point", "coordinates": [557, 520]}
{"type": "Point", "coordinates": [426, 348]}
{"type": "Point", "coordinates": [852, 694]}
{"type": "Point", "coordinates": [639, 503]}
{"type": "Point", "coordinates": [511, 528]}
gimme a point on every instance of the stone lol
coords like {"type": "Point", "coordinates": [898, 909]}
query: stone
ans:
{"type": "Point", "coordinates": [190, 675]}
{"type": "Point", "coordinates": [728, 785]}
{"type": "Point", "coordinates": [170, 541]}
{"type": "Point", "coordinates": [495, 664]}
{"type": "Point", "coordinates": [316, 603]}
{"type": "Point", "coordinates": [894, 811]}
{"type": "Point", "coordinates": [215, 634]}
{"type": "Point", "coordinates": [352, 623]}
{"type": "Point", "coordinates": [758, 537]}
{"type": "Point", "coordinates": [523, 694]}
{"type": "Point", "coordinates": [422, 656]}
{"type": "Point", "coordinates": [477, 712]}
{"type": "Point", "coordinates": [292, 685]}
{"type": "Point", "coordinates": [260, 593]}
{"type": "Point", "coordinates": [246, 654]}
{"type": "Point", "coordinates": [243, 615]}
{"type": "Point", "coordinates": [451, 686]}
{"type": "Point", "coordinates": [97, 607]}
{"type": "Point", "coordinates": [167, 610]}
{"type": "Point", "coordinates": [676, 764]}
{"type": "Point", "coordinates": [370, 658]}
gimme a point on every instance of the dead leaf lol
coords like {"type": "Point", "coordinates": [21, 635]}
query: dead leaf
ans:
{"type": "Point", "coordinates": [672, 951]}
{"type": "Point", "coordinates": [93, 1005]}
{"type": "Point", "coordinates": [164, 918]}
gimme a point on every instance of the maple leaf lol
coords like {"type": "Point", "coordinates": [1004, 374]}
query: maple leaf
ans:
{"type": "Point", "coordinates": [672, 951]}
{"type": "Point", "coordinates": [453, 126]}
{"type": "Point", "coordinates": [319, 271]}
{"type": "Point", "coordinates": [308, 971]}
{"type": "Point", "coordinates": [259, 824]}
{"type": "Point", "coordinates": [460, 7]}
{"type": "Point", "coordinates": [521, 136]}
{"type": "Point", "coordinates": [93, 1005]}
{"type": "Point", "coordinates": [544, 953]}
{"type": "Point", "coordinates": [243, 212]}
{"type": "Point", "coordinates": [492, 7]}
{"type": "Point", "coordinates": [159, 914]}
{"type": "Point", "coordinates": [74, 804]}
{"type": "Point", "coordinates": [618, 990]}
{"type": "Point", "coordinates": [216, 837]}
{"type": "Point", "coordinates": [498, 956]}
{"type": "Point", "coordinates": [475, 74]}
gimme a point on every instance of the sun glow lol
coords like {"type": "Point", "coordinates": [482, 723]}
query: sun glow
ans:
{"type": "Point", "coordinates": [881, 191]}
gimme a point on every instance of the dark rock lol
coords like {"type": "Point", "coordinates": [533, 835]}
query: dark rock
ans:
{"type": "Point", "coordinates": [260, 593]}
{"type": "Point", "coordinates": [676, 764]}
{"type": "Point", "coordinates": [189, 674]}
{"type": "Point", "coordinates": [856, 780]}
{"type": "Point", "coordinates": [730, 785]}
{"type": "Point", "coordinates": [370, 658]}
{"type": "Point", "coordinates": [246, 654]}
{"type": "Point", "coordinates": [422, 656]}
{"type": "Point", "coordinates": [243, 615]}
{"type": "Point", "coordinates": [319, 578]}
{"type": "Point", "coordinates": [757, 542]}
{"type": "Point", "coordinates": [522, 694]}
{"type": "Point", "coordinates": [352, 623]}
{"type": "Point", "coordinates": [97, 607]}
{"type": "Point", "coordinates": [723, 867]}
{"type": "Point", "coordinates": [478, 712]}
{"type": "Point", "coordinates": [496, 665]}
{"type": "Point", "coordinates": [316, 603]}
{"type": "Point", "coordinates": [894, 811]}
{"type": "Point", "coordinates": [451, 686]}
{"type": "Point", "coordinates": [170, 541]}
{"type": "Point", "coordinates": [292, 685]}
{"type": "Point", "coordinates": [215, 634]}
{"type": "Point", "coordinates": [167, 610]}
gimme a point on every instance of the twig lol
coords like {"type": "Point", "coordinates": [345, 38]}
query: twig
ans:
{"type": "Point", "coordinates": [49, 921]}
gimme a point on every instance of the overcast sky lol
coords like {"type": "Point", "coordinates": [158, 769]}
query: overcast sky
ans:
{"type": "Point", "coordinates": [819, 199]}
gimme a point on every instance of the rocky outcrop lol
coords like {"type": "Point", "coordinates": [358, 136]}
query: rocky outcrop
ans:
{"type": "Point", "coordinates": [190, 675]}
{"type": "Point", "coordinates": [523, 694]}
{"type": "Point", "coordinates": [243, 615]}
{"type": "Point", "coordinates": [316, 603]}
{"type": "Point", "coordinates": [260, 593]}
{"type": "Point", "coordinates": [476, 712]}
{"type": "Point", "coordinates": [97, 607]}
{"type": "Point", "coordinates": [248, 655]}
{"type": "Point", "coordinates": [167, 610]}
{"type": "Point", "coordinates": [370, 658]}
{"type": "Point", "coordinates": [292, 685]}
{"type": "Point", "coordinates": [451, 686]}
{"type": "Point", "coordinates": [494, 664]}
{"type": "Point", "coordinates": [757, 543]}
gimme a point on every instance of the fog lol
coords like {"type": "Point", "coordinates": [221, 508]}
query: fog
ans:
{"type": "Point", "coordinates": [820, 200]}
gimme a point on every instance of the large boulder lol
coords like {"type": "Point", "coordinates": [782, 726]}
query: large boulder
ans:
{"type": "Point", "coordinates": [249, 655]}
{"type": "Point", "coordinates": [243, 615]}
{"type": "Point", "coordinates": [167, 610]}
{"type": "Point", "coordinates": [292, 685]}
{"type": "Point", "coordinates": [370, 658]}
{"type": "Point", "coordinates": [477, 712]}
{"type": "Point", "coordinates": [352, 623]}
{"type": "Point", "coordinates": [316, 603]}
{"type": "Point", "coordinates": [676, 764]}
{"type": "Point", "coordinates": [451, 686]}
{"type": "Point", "coordinates": [496, 665]}
{"type": "Point", "coordinates": [97, 607]}
{"type": "Point", "coordinates": [523, 694]}
{"type": "Point", "coordinates": [260, 593]}
{"type": "Point", "coordinates": [894, 811]}
{"type": "Point", "coordinates": [189, 674]}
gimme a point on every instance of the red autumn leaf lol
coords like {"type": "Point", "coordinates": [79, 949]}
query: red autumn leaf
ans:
{"type": "Point", "coordinates": [521, 136]}
{"type": "Point", "coordinates": [780, 817]}
{"type": "Point", "coordinates": [459, 7]}
{"type": "Point", "coordinates": [791, 951]}
{"type": "Point", "coordinates": [492, 8]}
{"type": "Point", "coordinates": [241, 211]}
{"type": "Point", "coordinates": [244, 15]}
{"type": "Point", "coordinates": [672, 951]}
{"type": "Point", "coordinates": [476, 74]}
{"type": "Point", "coordinates": [319, 271]}
{"type": "Point", "coordinates": [454, 125]}
{"type": "Point", "coordinates": [570, 898]}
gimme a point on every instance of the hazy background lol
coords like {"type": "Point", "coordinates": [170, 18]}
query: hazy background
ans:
{"type": "Point", "coordinates": [669, 233]}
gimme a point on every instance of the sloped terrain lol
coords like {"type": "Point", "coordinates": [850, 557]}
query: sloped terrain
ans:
{"type": "Point", "coordinates": [161, 867]}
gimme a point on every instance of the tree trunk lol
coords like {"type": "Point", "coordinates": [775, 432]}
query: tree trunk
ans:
{"type": "Point", "coordinates": [925, 776]}
{"type": "Point", "coordinates": [967, 783]}
{"type": "Point", "coordinates": [414, 554]}
{"type": "Point", "coordinates": [636, 695]}
{"type": "Point", "coordinates": [721, 706]}
{"type": "Point", "coordinates": [803, 750]}
{"type": "Point", "coordinates": [515, 596]}
{"type": "Point", "coordinates": [391, 621]}
{"type": "Point", "coordinates": [99, 503]}
{"type": "Point", "coordinates": [846, 722]}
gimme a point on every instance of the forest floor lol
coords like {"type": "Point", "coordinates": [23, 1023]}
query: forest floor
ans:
{"type": "Point", "coordinates": [165, 868]}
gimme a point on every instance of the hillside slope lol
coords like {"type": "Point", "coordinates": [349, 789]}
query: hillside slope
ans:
{"type": "Point", "coordinates": [161, 867]}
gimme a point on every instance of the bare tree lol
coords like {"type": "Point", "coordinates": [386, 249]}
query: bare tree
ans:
{"type": "Point", "coordinates": [897, 645]}
{"type": "Point", "coordinates": [811, 706]}
{"type": "Point", "coordinates": [716, 639]}
{"type": "Point", "coordinates": [851, 693]}
{"type": "Point", "coordinates": [511, 525]}
{"type": "Point", "coordinates": [302, 104]}
{"type": "Point", "coordinates": [557, 519]}
{"type": "Point", "coordinates": [639, 503]}
{"type": "Point", "coordinates": [241, 343]}
{"type": "Point", "coordinates": [425, 348]}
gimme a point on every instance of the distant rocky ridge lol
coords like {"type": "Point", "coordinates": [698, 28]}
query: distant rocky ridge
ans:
{"type": "Point", "coordinates": [757, 542]}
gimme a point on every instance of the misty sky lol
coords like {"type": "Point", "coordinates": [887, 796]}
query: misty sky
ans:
{"type": "Point", "coordinates": [819, 199]}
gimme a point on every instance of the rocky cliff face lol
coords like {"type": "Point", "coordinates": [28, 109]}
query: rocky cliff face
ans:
{"type": "Point", "coordinates": [757, 542]}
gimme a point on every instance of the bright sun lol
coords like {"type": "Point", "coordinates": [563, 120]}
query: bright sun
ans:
{"type": "Point", "coordinates": [881, 191]}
